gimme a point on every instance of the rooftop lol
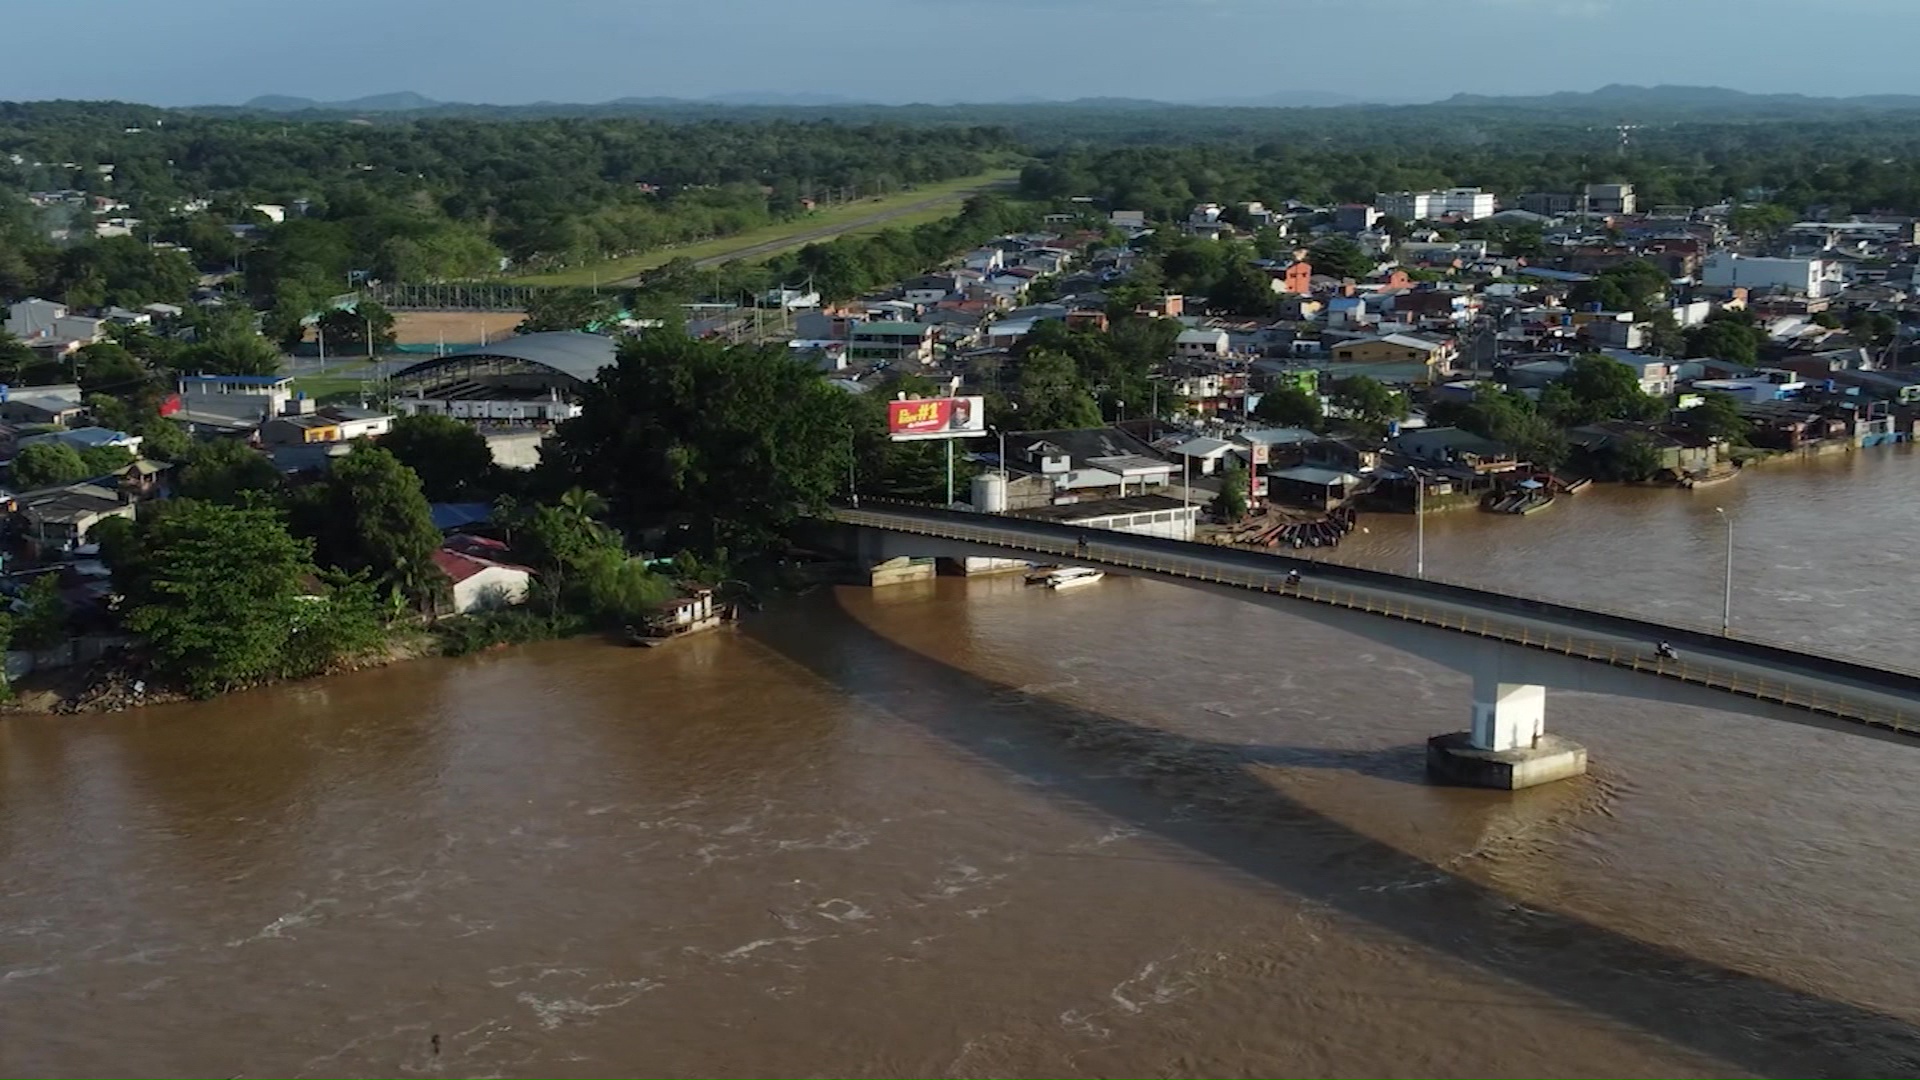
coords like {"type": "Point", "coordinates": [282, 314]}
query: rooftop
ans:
{"type": "Point", "coordinates": [1072, 513]}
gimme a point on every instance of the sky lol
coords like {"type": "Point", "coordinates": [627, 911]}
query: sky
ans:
{"type": "Point", "coordinates": [190, 52]}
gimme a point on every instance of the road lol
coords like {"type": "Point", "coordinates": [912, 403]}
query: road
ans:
{"type": "Point", "coordinates": [813, 236]}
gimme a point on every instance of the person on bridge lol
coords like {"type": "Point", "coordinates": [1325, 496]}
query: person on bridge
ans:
{"type": "Point", "coordinates": [1667, 652]}
{"type": "Point", "coordinates": [1293, 578]}
{"type": "Point", "coordinates": [1082, 546]}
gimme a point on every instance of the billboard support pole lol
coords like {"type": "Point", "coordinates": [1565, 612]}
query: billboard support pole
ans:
{"type": "Point", "coordinates": [949, 443]}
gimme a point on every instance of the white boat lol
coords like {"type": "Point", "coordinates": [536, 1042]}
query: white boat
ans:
{"type": "Point", "coordinates": [1074, 577]}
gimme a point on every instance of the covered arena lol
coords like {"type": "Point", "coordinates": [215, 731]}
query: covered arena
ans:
{"type": "Point", "coordinates": [530, 379]}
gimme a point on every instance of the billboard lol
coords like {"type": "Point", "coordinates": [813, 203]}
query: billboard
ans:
{"type": "Point", "coordinates": [936, 418]}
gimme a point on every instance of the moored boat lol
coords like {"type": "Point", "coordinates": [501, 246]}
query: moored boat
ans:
{"type": "Point", "coordinates": [1073, 577]}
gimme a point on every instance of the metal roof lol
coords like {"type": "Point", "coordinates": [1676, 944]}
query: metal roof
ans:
{"type": "Point", "coordinates": [569, 352]}
{"type": "Point", "coordinates": [1307, 474]}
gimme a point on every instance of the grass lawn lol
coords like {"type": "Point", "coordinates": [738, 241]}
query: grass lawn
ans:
{"type": "Point", "coordinates": [949, 195]}
{"type": "Point", "coordinates": [340, 379]}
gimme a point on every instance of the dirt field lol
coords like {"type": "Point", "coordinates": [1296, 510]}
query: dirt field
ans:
{"type": "Point", "coordinates": [455, 327]}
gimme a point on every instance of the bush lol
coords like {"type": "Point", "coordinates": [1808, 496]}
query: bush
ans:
{"type": "Point", "coordinates": [512, 626]}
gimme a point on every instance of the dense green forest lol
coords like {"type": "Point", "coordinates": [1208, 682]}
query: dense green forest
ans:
{"type": "Point", "coordinates": [444, 199]}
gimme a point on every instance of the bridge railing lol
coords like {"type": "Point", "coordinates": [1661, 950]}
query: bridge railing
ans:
{"type": "Point", "coordinates": [1792, 693]}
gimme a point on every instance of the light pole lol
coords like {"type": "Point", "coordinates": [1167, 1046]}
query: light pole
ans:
{"type": "Point", "coordinates": [1419, 524]}
{"type": "Point", "coordinates": [1726, 603]}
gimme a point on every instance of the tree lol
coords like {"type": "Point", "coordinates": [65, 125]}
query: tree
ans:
{"type": "Point", "coordinates": [1052, 394]}
{"type": "Point", "coordinates": [1337, 256]}
{"type": "Point", "coordinates": [107, 368]}
{"type": "Point", "coordinates": [1366, 400]}
{"type": "Point", "coordinates": [567, 309]}
{"type": "Point", "coordinates": [1717, 417]}
{"type": "Point", "coordinates": [101, 460]}
{"type": "Point", "coordinates": [346, 331]}
{"type": "Point", "coordinates": [48, 464]}
{"type": "Point", "coordinates": [1722, 338]}
{"type": "Point", "coordinates": [1637, 459]}
{"type": "Point", "coordinates": [215, 590]}
{"type": "Point", "coordinates": [1760, 220]}
{"type": "Point", "coordinates": [1596, 388]}
{"type": "Point", "coordinates": [160, 438]}
{"type": "Point", "coordinates": [228, 472]}
{"type": "Point", "coordinates": [1231, 503]}
{"type": "Point", "coordinates": [452, 459]}
{"type": "Point", "coordinates": [1507, 418]}
{"type": "Point", "coordinates": [43, 623]}
{"type": "Point", "coordinates": [727, 443]}
{"type": "Point", "coordinates": [1242, 289]}
{"type": "Point", "coordinates": [1289, 406]}
{"type": "Point", "coordinates": [370, 516]}
{"type": "Point", "coordinates": [1872, 327]}
{"type": "Point", "coordinates": [231, 352]}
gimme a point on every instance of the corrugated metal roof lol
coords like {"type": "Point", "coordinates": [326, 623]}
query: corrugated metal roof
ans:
{"type": "Point", "coordinates": [568, 352]}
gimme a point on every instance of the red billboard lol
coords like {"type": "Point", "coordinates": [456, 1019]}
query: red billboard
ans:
{"type": "Point", "coordinates": [936, 418]}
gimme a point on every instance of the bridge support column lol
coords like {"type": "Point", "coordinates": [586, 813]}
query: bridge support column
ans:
{"type": "Point", "coordinates": [1508, 746]}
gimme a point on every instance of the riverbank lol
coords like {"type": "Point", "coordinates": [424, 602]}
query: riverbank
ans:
{"type": "Point", "coordinates": [116, 682]}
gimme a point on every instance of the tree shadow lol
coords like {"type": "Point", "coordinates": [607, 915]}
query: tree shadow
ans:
{"type": "Point", "coordinates": [1201, 795]}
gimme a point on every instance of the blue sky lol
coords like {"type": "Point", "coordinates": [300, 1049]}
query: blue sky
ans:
{"type": "Point", "coordinates": [177, 52]}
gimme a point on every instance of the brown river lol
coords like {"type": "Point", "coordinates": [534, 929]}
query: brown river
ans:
{"type": "Point", "coordinates": [977, 829]}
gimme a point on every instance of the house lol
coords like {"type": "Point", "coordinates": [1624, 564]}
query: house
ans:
{"type": "Point", "coordinates": [893, 342]}
{"type": "Point", "coordinates": [1143, 515]}
{"type": "Point", "coordinates": [61, 519]}
{"type": "Point", "coordinates": [929, 288]}
{"type": "Point", "coordinates": [1091, 462]}
{"type": "Point", "coordinates": [480, 576]}
{"type": "Point", "coordinates": [1599, 446]}
{"type": "Point", "coordinates": [1446, 446]}
{"type": "Point", "coordinates": [302, 424]}
{"type": "Point", "coordinates": [1202, 455]}
{"type": "Point", "coordinates": [33, 407]}
{"type": "Point", "coordinates": [985, 260]}
{"type": "Point", "coordinates": [1292, 279]}
{"type": "Point", "coordinates": [1435, 353]}
{"type": "Point", "coordinates": [234, 397]}
{"type": "Point", "coordinates": [1128, 219]}
{"type": "Point", "coordinates": [1199, 342]}
{"type": "Point", "coordinates": [1811, 277]}
{"type": "Point", "coordinates": [87, 438]}
{"type": "Point", "coordinates": [33, 319]}
{"type": "Point", "coordinates": [1312, 486]}
{"type": "Point", "coordinates": [1654, 372]}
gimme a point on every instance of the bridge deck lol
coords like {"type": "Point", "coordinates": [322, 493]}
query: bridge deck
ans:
{"type": "Point", "coordinates": [1810, 691]}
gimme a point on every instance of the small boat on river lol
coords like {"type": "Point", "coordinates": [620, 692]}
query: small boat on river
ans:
{"type": "Point", "coordinates": [693, 612]}
{"type": "Point", "coordinates": [1073, 577]}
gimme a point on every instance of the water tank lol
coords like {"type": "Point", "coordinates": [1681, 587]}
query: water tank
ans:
{"type": "Point", "coordinates": [990, 493]}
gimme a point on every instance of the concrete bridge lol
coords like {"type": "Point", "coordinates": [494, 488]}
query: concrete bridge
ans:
{"type": "Point", "coordinates": [1513, 647]}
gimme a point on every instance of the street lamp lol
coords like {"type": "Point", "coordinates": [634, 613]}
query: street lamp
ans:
{"type": "Point", "coordinates": [1419, 524]}
{"type": "Point", "coordinates": [1726, 604]}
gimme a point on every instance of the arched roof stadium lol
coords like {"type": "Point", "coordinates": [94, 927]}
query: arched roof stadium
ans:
{"type": "Point", "coordinates": [565, 352]}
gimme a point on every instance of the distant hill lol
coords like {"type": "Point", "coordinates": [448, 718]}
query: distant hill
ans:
{"type": "Point", "coordinates": [401, 101]}
{"type": "Point", "coordinates": [1613, 102]}
{"type": "Point", "coordinates": [1678, 98]}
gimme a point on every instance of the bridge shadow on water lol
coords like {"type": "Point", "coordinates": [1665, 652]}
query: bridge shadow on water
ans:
{"type": "Point", "coordinates": [1202, 796]}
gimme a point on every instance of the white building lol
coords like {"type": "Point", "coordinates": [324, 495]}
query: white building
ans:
{"type": "Point", "coordinates": [234, 397]}
{"type": "Point", "coordinates": [1466, 204]}
{"type": "Point", "coordinates": [1199, 342]}
{"type": "Point", "coordinates": [1814, 277]}
{"type": "Point", "coordinates": [1610, 199]}
{"type": "Point", "coordinates": [480, 578]}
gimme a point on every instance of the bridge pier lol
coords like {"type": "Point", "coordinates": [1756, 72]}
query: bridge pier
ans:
{"type": "Point", "coordinates": [1508, 746]}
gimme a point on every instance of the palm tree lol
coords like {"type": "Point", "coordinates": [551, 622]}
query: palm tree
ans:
{"type": "Point", "coordinates": [587, 507]}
